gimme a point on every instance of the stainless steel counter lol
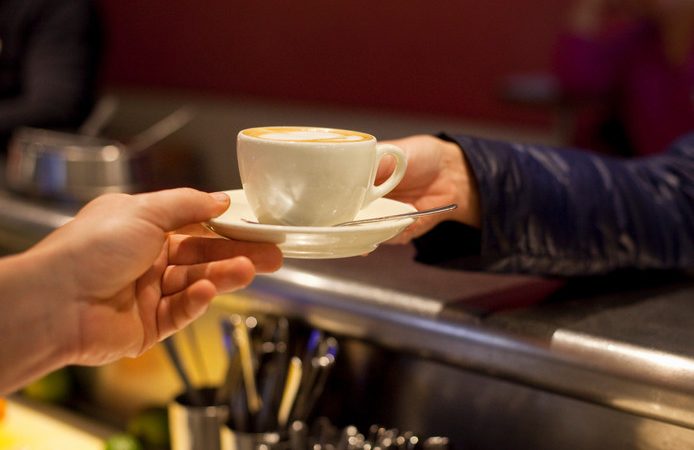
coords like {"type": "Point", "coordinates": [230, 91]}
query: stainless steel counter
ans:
{"type": "Point", "coordinates": [619, 343]}
{"type": "Point", "coordinates": [23, 222]}
{"type": "Point", "coordinates": [629, 349]}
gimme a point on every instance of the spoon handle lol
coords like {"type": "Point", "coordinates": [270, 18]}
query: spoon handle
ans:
{"type": "Point", "coordinates": [424, 212]}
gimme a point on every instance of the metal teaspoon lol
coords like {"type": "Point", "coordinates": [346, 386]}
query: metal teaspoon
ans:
{"type": "Point", "coordinates": [424, 212]}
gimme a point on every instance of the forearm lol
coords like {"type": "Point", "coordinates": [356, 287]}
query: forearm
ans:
{"type": "Point", "coordinates": [33, 341]}
{"type": "Point", "coordinates": [573, 213]}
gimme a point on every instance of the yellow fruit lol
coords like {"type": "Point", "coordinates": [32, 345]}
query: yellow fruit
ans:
{"type": "Point", "coordinates": [56, 387]}
{"type": "Point", "coordinates": [151, 427]}
{"type": "Point", "coordinates": [122, 441]}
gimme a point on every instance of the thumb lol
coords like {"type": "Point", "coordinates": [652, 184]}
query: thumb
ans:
{"type": "Point", "coordinates": [174, 208]}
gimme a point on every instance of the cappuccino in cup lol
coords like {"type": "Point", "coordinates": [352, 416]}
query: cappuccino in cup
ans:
{"type": "Point", "coordinates": [310, 176]}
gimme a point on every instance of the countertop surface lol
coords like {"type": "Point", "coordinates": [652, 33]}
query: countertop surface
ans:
{"type": "Point", "coordinates": [622, 341]}
{"type": "Point", "coordinates": [39, 426]}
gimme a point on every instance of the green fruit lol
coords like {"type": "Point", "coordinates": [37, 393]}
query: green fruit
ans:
{"type": "Point", "coordinates": [151, 426]}
{"type": "Point", "coordinates": [56, 387]}
{"type": "Point", "coordinates": [122, 441]}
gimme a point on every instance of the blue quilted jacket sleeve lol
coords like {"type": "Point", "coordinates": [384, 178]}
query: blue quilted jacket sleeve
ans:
{"type": "Point", "coordinates": [569, 212]}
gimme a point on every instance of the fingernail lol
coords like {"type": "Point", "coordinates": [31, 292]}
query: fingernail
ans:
{"type": "Point", "coordinates": [220, 197]}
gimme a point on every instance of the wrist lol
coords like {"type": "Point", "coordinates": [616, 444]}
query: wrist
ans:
{"type": "Point", "coordinates": [37, 325]}
{"type": "Point", "coordinates": [464, 185]}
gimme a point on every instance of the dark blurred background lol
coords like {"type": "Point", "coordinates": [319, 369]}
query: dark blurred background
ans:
{"type": "Point", "coordinates": [447, 57]}
{"type": "Point", "coordinates": [391, 68]}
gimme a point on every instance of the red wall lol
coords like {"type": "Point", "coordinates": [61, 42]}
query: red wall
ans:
{"type": "Point", "coordinates": [438, 56]}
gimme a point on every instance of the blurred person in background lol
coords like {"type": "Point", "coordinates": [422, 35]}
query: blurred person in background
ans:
{"type": "Point", "coordinates": [627, 69]}
{"type": "Point", "coordinates": [49, 58]}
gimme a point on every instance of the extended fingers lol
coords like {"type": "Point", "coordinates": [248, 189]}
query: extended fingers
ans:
{"type": "Point", "coordinates": [187, 294]}
{"type": "Point", "coordinates": [179, 310]}
{"type": "Point", "coordinates": [226, 275]}
{"type": "Point", "coordinates": [190, 250]}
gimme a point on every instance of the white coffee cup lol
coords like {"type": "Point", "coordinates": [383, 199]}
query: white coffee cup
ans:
{"type": "Point", "coordinates": [309, 176]}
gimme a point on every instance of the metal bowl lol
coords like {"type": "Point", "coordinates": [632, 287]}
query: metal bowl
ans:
{"type": "Point", "coordinates": [64, 166]}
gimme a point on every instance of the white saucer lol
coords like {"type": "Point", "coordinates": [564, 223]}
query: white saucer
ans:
{"type": "Point", "coordinates": [313, 242]}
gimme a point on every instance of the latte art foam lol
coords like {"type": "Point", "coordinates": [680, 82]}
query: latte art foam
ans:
{"type": "Point", "coordinates": [299, 134]}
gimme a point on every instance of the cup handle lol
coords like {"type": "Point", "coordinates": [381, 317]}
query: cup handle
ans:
{"type": "Point", "coordinates": [376, 192]}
